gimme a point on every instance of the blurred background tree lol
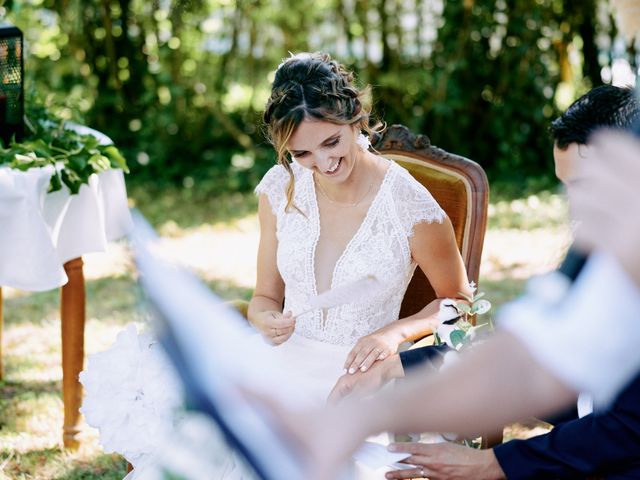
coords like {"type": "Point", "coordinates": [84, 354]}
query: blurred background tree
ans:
{"type": "Point", "coordinates": [180, 84]}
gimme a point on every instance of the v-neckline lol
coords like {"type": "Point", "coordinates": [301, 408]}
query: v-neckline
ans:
{"type": "Point", "coordinates": [354, 237]}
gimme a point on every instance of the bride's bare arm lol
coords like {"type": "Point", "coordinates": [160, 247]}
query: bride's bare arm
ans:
{"type": "Point", "coordinates": [434, 248]}
{"type": "Point", "coordinates": [265, 308]}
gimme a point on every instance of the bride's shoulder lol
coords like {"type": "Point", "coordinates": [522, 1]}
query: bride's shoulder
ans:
{"type": "Point", "coordinates": [274, 183]}
{"type": "Point", "coordinates": [275, 179]}
{"type": "Point", "coordinates": [413, 201]}
{"type": "Point", "coordinates": [403, 181]}
{"type": "Point", "coordinates": [279, 174]}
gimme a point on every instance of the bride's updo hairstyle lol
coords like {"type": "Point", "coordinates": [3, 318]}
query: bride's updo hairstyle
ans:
{"type": "Point", "coordinates": [312, 86]}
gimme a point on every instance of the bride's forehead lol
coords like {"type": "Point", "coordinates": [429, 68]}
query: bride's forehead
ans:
{"type": "Point", "coordinates": [310, 134]}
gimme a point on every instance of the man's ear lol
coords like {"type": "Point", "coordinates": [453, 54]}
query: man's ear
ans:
{"type": "Point", "coordinates": [585, 150]}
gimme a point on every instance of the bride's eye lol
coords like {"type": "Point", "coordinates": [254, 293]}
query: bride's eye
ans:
{"type": "Point", "coordinates": [333, 143]}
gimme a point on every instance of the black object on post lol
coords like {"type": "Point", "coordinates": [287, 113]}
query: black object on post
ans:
{"type": "Point", "coordinates": [11, 83]}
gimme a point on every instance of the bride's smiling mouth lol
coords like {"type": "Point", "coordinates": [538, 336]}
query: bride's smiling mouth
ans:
{"type": "Point", "coordinates": [334, 168]}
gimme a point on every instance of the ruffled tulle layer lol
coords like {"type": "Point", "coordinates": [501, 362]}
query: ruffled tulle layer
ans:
{"type": "Point", "coordinates": [131, 396]}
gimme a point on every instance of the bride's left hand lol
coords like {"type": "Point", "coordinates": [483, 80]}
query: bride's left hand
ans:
{"type": "Point", "coordinates": [371, 348]}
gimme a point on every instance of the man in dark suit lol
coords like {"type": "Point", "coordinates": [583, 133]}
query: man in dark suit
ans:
{"type": "Point", "coordinates": [601, 444]}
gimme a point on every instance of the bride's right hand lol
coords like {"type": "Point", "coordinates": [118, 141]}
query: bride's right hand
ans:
{"type": "Point", "coordinates": [275, 326]}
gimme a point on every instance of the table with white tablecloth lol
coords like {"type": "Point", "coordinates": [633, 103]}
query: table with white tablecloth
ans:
{"type": "Point", "coordinates": [42, 239]}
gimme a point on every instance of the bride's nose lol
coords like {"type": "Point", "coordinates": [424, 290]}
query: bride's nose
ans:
{"type": "Point", "coordinates": [323, 162]}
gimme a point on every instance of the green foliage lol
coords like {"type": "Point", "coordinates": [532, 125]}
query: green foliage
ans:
{"type": "Point", "coordinates": [73, 156]}
{"type": "Point", "coordinates": [179, 85]}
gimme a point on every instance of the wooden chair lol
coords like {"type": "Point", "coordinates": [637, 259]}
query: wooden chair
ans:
{"type": "Point", "coordinates": [458, 184]}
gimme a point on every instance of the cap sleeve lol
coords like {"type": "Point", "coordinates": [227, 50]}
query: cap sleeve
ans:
{"type": "Point", "coordinates": [274, 186]}
{"type": "Point", "coordinates": [415, 203]}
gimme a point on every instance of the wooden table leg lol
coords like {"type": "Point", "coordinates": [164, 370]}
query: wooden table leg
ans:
{"type": "Point", "coordinates": [1, 365]}
{"type": "Point", "coordinates": [72, 313]}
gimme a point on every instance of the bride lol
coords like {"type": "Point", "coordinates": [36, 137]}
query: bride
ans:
{"type": "Point", "coordinates": [331, 212]}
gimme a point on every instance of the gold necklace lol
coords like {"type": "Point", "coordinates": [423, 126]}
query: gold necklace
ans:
{"type": "Point", "coordinates": [342, 204]}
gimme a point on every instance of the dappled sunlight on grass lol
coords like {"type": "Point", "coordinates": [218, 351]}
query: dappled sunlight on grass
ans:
{"type": "Point", "coordinates": [30, 436]}
{"type": "Point", "coordinates": [187, 208]}
{"type": "Point", "coordinates": [51, 462]}
{"type": "Point", "coordinates": [216, 254]}
{"type": "Point", "coordinates": [512, 253]}
{"type": "Point", "coordinates": [540, 210]}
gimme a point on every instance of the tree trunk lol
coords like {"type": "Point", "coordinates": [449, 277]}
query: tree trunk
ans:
{"type": "Point", "coordinates": [586, 29]}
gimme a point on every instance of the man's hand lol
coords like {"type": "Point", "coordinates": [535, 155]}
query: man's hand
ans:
{"type": "Point", "coordinates": [447, 461]}
{"type": "Point", "coordinates": [370, 381]}
{"type": "Point", "coordinates": [605, 199]}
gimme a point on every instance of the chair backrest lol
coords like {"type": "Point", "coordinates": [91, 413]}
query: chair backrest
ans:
{"type": "Point", "coordinates": [458, 184]}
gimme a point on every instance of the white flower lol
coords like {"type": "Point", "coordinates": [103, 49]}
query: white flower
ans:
{"type": "Point", "coordinates": [448, 310]}
{"type": "Point", "coordinates": [473, 287]}
{"type": "Point", "coordinates": [363, 142]}
{"type": "Point", "coordinates": [131, 393]}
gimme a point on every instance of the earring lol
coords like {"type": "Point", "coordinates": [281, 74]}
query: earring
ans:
{"type": "Point", "coordinates": [363, 142]}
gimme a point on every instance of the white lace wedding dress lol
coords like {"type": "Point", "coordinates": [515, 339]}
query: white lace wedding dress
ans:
{"type": "Point", "coordinates": [319, 347]}
{"type": "Point", "coordinates": [316, 352]}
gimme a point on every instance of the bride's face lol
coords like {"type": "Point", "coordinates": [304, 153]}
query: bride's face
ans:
{"type": "Point", "coordinates": [328, 149]}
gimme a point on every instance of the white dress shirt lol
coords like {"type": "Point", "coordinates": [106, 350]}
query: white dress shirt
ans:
{"type": "Point", "coordinates": [587, 335]}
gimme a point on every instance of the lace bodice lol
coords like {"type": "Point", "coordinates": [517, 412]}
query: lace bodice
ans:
{"type": "Point", "coordinates": [379, 247]}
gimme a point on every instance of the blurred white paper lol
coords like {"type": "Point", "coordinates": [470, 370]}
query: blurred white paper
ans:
{"type": "Point", "coordinates": [374, 456]}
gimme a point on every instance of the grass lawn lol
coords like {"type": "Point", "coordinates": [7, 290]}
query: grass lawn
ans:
{"type": "Point", "coordinates": [216, 237]}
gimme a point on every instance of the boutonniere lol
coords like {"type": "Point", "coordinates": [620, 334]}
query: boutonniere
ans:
{"type": "Point", "coordinates": [458, 319]}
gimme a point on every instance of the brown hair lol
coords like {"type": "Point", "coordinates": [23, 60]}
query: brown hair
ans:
{"type": "Point", "coordinates": [312, 86]}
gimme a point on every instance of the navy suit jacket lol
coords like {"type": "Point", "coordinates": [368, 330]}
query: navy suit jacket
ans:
{"type": "Point", "coordinates": [604, 444]}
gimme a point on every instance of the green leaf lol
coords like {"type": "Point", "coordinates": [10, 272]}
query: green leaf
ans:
{"type": "Point", "coordinates": [56, 183]}
{"type": "Point", "coordinates": [464, 325]}
{"type": "Point", "coordinates": [72, 180]}
{"type": "Point", "coordinates": [464, 308]}
{"type": "Point", "coordinates": [117, 160]}
{"type": "Point", "coordinates": [79, 161]}
{"type": "Point", "coordinates": [457, 337]}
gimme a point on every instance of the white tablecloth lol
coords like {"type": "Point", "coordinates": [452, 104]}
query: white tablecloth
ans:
{"type": "Point", "coordinates": [41, 231]}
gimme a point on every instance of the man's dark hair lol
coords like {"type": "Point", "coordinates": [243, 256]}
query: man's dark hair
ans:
{"type": "Point", "coordinates": [604, 106]}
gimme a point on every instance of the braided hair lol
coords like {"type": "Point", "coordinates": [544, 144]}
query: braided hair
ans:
{"type": "Point", "coordinates": [312, 86]}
